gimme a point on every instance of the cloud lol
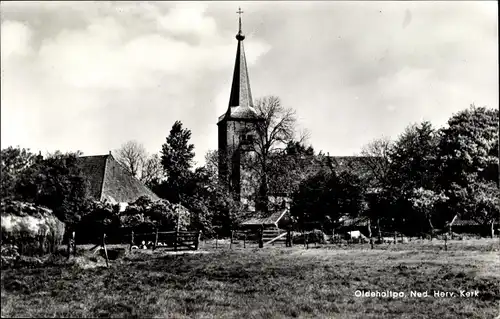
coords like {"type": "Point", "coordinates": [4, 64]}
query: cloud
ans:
{"type": "Point", "coordinates": [91, 76]}
{"type": "Point", "coordinates": [95, 86]}
{"type": "Point", "coordinates": [15, 38]}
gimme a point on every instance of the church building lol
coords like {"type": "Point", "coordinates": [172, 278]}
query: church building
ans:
{"type": "Point", "coordinates": [236, 127]}
{"type": "Point", "coordinates": [237, 130]}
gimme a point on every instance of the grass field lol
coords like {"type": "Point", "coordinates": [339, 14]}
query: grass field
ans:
{"type": "Point", "coordinates": [275, 282]}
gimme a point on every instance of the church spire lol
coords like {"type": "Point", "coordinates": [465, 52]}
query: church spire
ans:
{"type": "Point", "coordinates": [241, 94]}
{"type": "Point", "coordinates": [240, 36]}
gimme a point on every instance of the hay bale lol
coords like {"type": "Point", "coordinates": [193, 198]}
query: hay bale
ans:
{"type": "Point", "coordinates": [25, 222]}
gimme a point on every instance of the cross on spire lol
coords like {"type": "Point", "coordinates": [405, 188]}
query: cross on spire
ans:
{"type": "Point", "coordinates": [240, 35]}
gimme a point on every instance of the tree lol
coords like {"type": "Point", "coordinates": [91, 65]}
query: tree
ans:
{"type": "Point", "coordinates": [412, 165]}
{"type": "Point", "coordinates": [413, 158]}
{"type": "Point", "coordinates": [468, 148]}
{"type": "Point", "coordinates": [326, 197]}
{"type": "Point", "coordinates": [56, 182]}
{"type": "Point", "coordinates": [424, 201]}
{"type": "Point", "coordinates": [132, 156]}
{"type": "Point", "coordinates": [13, 162]}
{"type": "Point", "coordinates": [375, 156]}
{"type": "Point", "coordinates": [273, 133]}
{"type": "Point", "coordinates": [468, 158]}
{"type": "Point", "coordinates": [152, 171]}
{"type": "Point", "coordinates": [177, 159]}
{"type": "Point", "coordinates": [222, 210]}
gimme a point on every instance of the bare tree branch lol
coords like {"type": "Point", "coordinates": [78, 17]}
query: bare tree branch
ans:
{"type": "Point", "coordinates": [132, 156]}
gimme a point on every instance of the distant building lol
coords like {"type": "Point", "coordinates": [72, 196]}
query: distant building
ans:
{"type": "Point", "coordinates": [110, 182]}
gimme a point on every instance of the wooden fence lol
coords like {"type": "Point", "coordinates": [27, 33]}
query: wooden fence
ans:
{"type": "Point", "coordinates": [261, 238]}
{"type": "Point", "coordinates": [168, 240]}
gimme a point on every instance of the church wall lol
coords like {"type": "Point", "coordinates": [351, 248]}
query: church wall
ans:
{"type": "Point", "coordinates": [230, 136]}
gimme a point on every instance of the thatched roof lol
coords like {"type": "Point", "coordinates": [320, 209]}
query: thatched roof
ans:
{"type": "Point", "coordinates": [108, 180]}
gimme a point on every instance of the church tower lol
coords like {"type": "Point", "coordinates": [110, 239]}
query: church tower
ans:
{"type": "Point", "coordinates": [237, 126]}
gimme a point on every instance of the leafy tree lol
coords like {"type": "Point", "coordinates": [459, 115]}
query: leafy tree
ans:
{"type": "Point", "coordinates": [413, 161]}
{"type": "Point", "coordinates": [424, 201]}
{"type": "Point", "coordinates": [468, 148]}
{"type": "Point", "coordinates": [158, 214]}
{"type": "Point", "coordinates": [177, 160]}
{"type": "Point", "coordinates": [468, 157]}
{"type": "Point", "coordinates": [326, 197]}
{"type": "Point", "coordinates": [213, 206]}
{"type": "Point", "coordinates": [57, 183]}
{"type": "Point", "coordinates": [14, 161]}
{"type": "Point", "coordinates": [297, 148]}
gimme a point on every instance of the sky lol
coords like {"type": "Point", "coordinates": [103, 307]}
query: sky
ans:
{"type": "Point", "coordinates": [91, 76]}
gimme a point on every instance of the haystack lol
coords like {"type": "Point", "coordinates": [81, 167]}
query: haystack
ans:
{"type": "Point", "coordinates": [25, 222]}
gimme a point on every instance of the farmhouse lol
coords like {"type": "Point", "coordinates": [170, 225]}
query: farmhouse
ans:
{"type": "Point", "coordinates": [110, 182]}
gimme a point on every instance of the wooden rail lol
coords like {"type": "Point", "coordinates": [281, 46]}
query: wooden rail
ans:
{"type": "Point", "coordinates": [170, 240]}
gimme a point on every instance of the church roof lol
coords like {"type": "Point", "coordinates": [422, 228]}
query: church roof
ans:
{"type": "Point", "coordinates": [108, 180]}
{"type": "Point", "coordinates": [240, 99]}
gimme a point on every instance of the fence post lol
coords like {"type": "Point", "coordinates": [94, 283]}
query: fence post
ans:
{"type": "Point", "coordinates": [231, 240]}
{"type": "Point", "coordinates": [445, 242]}
{"type": "Point", "coordinates": [74, 243]}
{"type": "Point", "coordinates": [395, 238]}
{"type": "Point", "coordinates": [307, 240]}
{"type": "Point", "coordinates": [288, 238]}
{"type": "Point", "coordinates": [41, 240]}
{"type": "Point", "coordinates": [69, 245]}
{"type": "Point", "coordinates": [105, 250]}
{"type": "Point", "coordinates": [131, 240]}
{"type": "Point", "coordinates": [156, 240]}
{"type": "Point", "coordinates": [176, 236]}
{"type": "Point", "coordinates": [197, 244]}
{"type": "Point", "coordinates": [261, 239]}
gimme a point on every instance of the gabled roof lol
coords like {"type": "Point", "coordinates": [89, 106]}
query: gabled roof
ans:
{"type": "Point", "coordinates": [109, 181]}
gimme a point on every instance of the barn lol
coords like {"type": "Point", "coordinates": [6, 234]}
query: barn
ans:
{"type": "Point", "coordinates": [110, 182]}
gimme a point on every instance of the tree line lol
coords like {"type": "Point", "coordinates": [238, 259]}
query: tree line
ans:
{"type": "Point", "coordinates": [417, 182]}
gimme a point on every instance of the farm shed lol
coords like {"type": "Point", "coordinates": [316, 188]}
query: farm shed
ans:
{"type": "Point", "coordinates": [470, 226]}
{"type": "Point", "coordinates": [278, 219]}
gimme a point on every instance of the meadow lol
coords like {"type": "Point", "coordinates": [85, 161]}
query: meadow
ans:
{"type": "Point", "coordinates": [273, 282]}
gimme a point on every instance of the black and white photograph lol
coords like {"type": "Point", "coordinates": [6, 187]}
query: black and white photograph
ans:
{"type": "Point", "coordinates": [250, 159]}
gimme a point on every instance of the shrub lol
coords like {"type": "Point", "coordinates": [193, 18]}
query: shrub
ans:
{"type": "Point", "coordinates": [314, 236]}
